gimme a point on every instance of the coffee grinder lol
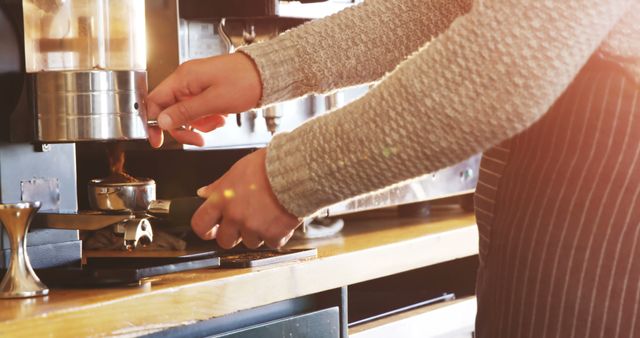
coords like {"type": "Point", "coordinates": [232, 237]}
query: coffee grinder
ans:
{"type": "Point", "coordinates": [70, 71]}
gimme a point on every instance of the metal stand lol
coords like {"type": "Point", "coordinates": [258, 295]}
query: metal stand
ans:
{"type": "Point", "coordinates": [19, 281]}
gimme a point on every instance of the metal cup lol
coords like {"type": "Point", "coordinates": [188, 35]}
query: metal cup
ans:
{"type": "Point", "coordinates": [19, 281]}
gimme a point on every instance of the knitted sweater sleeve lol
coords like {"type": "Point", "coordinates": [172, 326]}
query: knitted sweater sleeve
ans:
{"type": "Point", "coordinates": [357, 45]}
{"type": "Point", "coordinates": [494, 72]}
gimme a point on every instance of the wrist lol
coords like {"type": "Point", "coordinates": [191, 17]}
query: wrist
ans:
{"type": "Point", "coordinates": [253, 77]}
{"type": "Point", "coordinates": [283, 71]}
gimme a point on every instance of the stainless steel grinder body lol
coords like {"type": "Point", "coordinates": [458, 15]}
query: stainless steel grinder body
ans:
{"type": "Point", "coordinates": [94, 105]}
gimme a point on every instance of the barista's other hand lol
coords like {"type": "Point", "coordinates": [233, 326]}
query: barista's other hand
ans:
{"type": "Point", "coordinates": [241, 206]}
{"type": "Point", "coordinates": [200, 93]}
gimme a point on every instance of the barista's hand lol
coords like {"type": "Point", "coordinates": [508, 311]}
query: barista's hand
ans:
{"type": "Point", "coordinates": [200, 93]}
{"type": "Point", "coordinates": [241, 206]}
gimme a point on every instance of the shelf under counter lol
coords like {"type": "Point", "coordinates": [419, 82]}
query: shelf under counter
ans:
{"type": "Point", "coordinates": [371, 246]}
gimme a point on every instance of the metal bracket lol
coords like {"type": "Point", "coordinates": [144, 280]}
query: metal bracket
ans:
{"type": "Point", "coordinates": [136, 231]}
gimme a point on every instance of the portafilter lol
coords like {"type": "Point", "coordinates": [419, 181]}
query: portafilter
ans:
{"type": "Point", "coordinates": [139, 197]}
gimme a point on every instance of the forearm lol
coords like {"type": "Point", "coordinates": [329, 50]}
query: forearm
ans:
{"type": "Point", "coordinates": [492, 74]}
{"type": "Point", "coordinates": [357, 45]}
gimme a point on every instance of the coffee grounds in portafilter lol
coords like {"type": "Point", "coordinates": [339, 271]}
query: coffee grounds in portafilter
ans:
{"type": "Point", "coordinates": [116, 156]}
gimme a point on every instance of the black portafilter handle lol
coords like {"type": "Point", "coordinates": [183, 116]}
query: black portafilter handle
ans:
{"type": "Point", "coordinates": [177, 211]}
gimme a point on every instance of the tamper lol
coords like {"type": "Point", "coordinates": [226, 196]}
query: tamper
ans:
{"type": "Point", "coordinates": [19, 281]}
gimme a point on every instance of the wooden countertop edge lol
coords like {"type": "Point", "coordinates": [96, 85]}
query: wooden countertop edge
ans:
{"type": "Point", "coordinates": [173, 306]}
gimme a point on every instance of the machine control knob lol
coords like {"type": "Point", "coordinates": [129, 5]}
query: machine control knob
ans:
{"type": "Point", "coordinates": [252, 115]}
{"type": "Point", "coordinates": [272, 117]}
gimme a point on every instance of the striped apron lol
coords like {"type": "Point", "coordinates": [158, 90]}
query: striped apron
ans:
{"type": "Point", "coordinates": [558, 213]}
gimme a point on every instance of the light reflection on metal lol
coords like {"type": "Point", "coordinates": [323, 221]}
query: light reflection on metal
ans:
{"type": "Point", "coordinates": [96, 105]}
{"type": "Point", "coordinates": [456, 180]}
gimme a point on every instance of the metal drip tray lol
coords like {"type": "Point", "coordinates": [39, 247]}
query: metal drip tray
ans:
{"type": "Point", "coordinates": [262, 257]}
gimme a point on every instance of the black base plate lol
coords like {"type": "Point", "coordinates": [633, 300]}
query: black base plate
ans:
{"type": "Point", "coordinates": [109, 271]}
{"type": "Point", "coordinates": [123, 270]}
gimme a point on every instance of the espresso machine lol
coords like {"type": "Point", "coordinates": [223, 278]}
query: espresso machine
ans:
{"type": "Point", "coordinates": [74, 75]}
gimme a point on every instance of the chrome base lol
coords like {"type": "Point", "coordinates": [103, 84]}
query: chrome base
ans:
{"type": "Point", "coordinates": [95, 105]}
{"type": "Point", "coordinates": [19, 281]}
{"type": "Point", "coordinates": [26, 294]}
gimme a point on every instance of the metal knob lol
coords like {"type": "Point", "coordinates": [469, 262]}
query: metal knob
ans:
{"type": "Point", "coordinates": [154, 123]}
{"type": "Point", "coordinates": [19, 281]}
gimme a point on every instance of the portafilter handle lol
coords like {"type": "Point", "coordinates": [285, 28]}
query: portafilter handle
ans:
{"type": "Point", "coordinates": [19, 281]}
{"type": "Point", "coordinates": [177, 211]}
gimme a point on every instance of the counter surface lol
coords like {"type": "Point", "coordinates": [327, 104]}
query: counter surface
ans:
{"type": "Point", "coordinates": [369, 247]}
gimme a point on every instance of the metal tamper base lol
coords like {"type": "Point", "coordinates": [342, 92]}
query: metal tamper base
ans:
{"type": "Point", "coordinates": [19, 281]}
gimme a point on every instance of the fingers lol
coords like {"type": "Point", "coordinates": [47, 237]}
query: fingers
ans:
{"type": "Point", "coordinates": [206, 124]}
{"type": "Point", "coordinates": [206, 218]}
{"type": "Point", "coordinates": [162, 96]}
{"type": "Point", "coordinates": [209, 123]}
{"type": "Point", "coordinates": [250, 239]}
{"type": "Point", "coordinates": [156, 137]}
{"type": "Point", "coordinates": [211, 101]}
{"type": "Point", "coordinates": [279, 241]}
{"type": "Point", "coordinates": [228, 234]}
{"type": "Point", "coordinates": [211, 234]}
{"type": "Point", "coordinates": [207, 190]}
{"type": "Point", "coordinates": [286, 239]}
{"type": "Point", "coordinates": [278, 233]}
{"type": "Point", "coordinates": [187, 137]}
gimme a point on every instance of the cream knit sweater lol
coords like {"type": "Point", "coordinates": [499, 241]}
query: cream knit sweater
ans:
{"type": "Point", "coordinates": [491, 69]}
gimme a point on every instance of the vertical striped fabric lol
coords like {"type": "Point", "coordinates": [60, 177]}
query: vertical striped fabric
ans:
{"type": "Point", "coordinates": [559, 217]}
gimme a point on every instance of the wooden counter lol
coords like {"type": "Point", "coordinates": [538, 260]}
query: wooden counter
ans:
{"type": "Point", "coordinates": [368, 248]}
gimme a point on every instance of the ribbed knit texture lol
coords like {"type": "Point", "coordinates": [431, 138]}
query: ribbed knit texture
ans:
{"type": "Point", "coordinates": [358, 45]}
{"type": "Point", "coordinates": [491, 74]}
{"type": "Point", "coordinates": [623, 42]}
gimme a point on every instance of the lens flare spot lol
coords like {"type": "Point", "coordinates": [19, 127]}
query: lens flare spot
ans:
{"type": "Point", "coordinates": [253, 186]}
{"type": "Point", "coordinates": [229, 193]}
{"type": "Point", "coordinates": [388, 151]}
